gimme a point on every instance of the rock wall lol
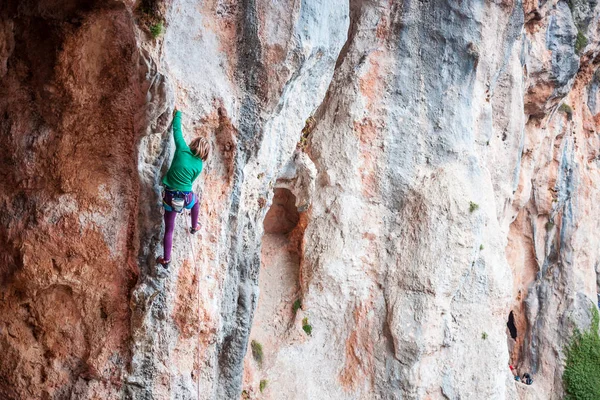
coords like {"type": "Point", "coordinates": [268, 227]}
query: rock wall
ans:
{"type": "Point", "coordinates": [70, 90]}
{"type": "Point", "coordinates": [388, 181]}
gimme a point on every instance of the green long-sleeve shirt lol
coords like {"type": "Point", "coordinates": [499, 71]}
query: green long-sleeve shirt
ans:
{"type": "Point", "coordinates": [185, 166]}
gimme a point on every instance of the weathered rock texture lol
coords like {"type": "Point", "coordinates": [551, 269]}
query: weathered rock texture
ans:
{"type": "Point", "coordinates": [69, 93]}
{"type": "Point", "coordinates": [449, 177]}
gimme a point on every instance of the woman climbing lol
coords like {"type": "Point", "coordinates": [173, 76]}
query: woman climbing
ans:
{"type": "Point", "coordinates": [185, 168]}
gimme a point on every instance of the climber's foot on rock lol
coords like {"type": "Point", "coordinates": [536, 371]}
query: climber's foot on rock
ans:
{"type": "Point", "coordinates": [194, 230]}
{"type": "Point", "coordinates": [163, 262]}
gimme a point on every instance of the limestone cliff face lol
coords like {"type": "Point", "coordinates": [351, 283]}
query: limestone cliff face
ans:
{"type": "Point", "coordinates": [389, 181]}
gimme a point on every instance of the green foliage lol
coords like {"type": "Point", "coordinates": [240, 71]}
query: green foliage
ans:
{"type": "Point", "coordinates": [564, 107]}
{"type": "Point", "coordinates": [257, 351]}
{"type": "Point", "coordinates": [263, 385]}
{"type": "Point", "coordinates": [157, 29]}
{"type": "Point", "coordinates": [582, 370]}
{"type": "Point", "coordinates": [151, 14]}
{"type": "Point", "coordinates": [473, 206]}
{"type": "Point", "coordinates": [481, 247]}
{"type": "Point", "coordinates": [549, 225]}
{"type": "Point", "coordinates": [297, 305]}
{"type": "Point", "coordinates": [306, 326]}
{"type": "Point", "coordinates": [484, 335]}
{"type": "Point", "coordinates": [580, 42]}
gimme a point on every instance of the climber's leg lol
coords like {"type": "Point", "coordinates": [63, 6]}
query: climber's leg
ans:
{"type": "Point", "coordinates": [168, 239]}
{"type": "Point", "coordinates": [194, 213]}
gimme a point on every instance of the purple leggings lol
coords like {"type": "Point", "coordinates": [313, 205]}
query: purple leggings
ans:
{"type": "Point", "coordinates": [194, 204]}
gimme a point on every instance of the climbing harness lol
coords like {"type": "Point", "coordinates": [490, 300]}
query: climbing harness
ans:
{"type": "Point", "coordinates": [197, 271]}
{"type": "Point", "coordinates": [176, 200]}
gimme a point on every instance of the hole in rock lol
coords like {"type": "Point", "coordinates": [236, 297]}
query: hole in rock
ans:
{"type": "Point", "coordinates": [512, 328]}
{"type": "Point", "coordinates": [278, 279]}
{"type": "Point", "coordinates": [283, 215]}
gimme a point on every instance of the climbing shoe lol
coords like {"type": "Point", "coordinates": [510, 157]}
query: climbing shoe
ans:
{"type": "Point", "coordinates": [163, 262]}
{"type": "Point", "coordinates": [192, 230]}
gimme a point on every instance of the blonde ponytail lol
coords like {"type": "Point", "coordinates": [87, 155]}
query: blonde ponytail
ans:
{"type": "Point", "coordinates": [200, 147]}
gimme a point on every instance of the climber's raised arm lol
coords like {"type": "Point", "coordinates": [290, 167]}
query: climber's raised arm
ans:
{"type": "Point", "coordinates": [177, 135]}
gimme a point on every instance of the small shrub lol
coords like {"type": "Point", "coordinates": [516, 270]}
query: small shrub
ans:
{"type": "Point", "coordinates": [481, 247]}
{"type": "Point", "coordinates": [580, 42]}
{"type": "Point", "coordinates": [151, 15]}
{"type": "Point", "coordinates": [306, 326]}
{"type": "Point", "coordinates": [297, 305]}
{"type": "Point", "coordinates": [157, 29]}
{"type": "Point", "coordinates": [582, 370]}
{"type": "Point", "coordinates": [564, 107]}
{"type": "Point", "coordinates": [473, 206]}
{"type": "Point", "coordinates": [484, 335]}
{"type": "Point", "coordinates": [257, 351]}
{"type": "Point", "coordinates": [549, 225]}
{"type": "Point", "coordinates": [263, 385]}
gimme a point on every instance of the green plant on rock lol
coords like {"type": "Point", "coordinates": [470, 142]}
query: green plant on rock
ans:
{"type": "Point", "coordinates": [151, 16]}
{"type": "Point", "coordinates": [484, 335]}
{"type": "Point", "coordinates": [257, 351]}
{"type": "Point", "coordinates": [480, 247]}
{"type": "Point", "coordinates": [297, 305]}
{"type": "Point", "coordinates": [473, 206]}
{"type": "Point", "coordinates": [549, 225]}
{"type": "Point", "coordinates": [565, 108]}
{"type": "Point", "coordinates": [263, 385]}
{"type": "Point", "coordinates": [580, 42]}
{"type": "Point", "coordinates": [306, 326]}
{"type": "Point", "coordinates": [157, 29]}
{"type": "Point", "coordinates": [582, 370]}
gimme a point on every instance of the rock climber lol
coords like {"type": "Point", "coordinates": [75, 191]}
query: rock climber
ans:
{"type": "Point", "coordinates": [186, 166]}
